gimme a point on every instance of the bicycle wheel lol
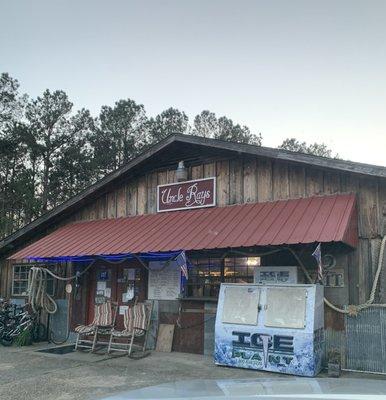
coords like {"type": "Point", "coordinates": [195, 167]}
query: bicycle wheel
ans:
{"type": "Point", "coordinates": [2, 328]}
{"type": "Point", "coordinates": [39, 332]}
{"type": "Point", "coordinates": [6, 340]}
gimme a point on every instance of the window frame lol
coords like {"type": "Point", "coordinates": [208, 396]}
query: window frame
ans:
{"type": "Point", "coordinates": [232, 261]}
{"type": "Point", "coordinates": [28, 266]}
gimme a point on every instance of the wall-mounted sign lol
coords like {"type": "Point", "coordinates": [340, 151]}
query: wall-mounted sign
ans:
{"type": "Point", "coordinates": [164, 281]}
{"type": "Point", "coordinates": [186, 195]}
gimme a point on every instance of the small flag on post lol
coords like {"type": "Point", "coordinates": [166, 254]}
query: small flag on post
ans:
{"type": "Point", "coordinates": [182, 262]}
{"type": "Point", "coordinates": [318, 256]}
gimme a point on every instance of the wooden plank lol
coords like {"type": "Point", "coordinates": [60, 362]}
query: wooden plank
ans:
{"type": "Point", "coordinates": [264, 180]}
{"type": "Point", "coordinates": [131, 201]}
{"type": "Point", "coordinates": [209, 170]}
{"type": "Point", "coordinates": [197, 171]}
{"type": "Point", "coordinates": [382, 206]}
{"type": "Point", "coordinates": [250, 180]}
{"type": "Point", "coordinates": [236, 181]}
{"type": "Point", "coordinates": [222, 182]}
{"type": "Point", "coordinates": [331, 182]}
{"type": "Point", "coordinates": [142, 195]}
{"type": "Point", "coordinates": [297, 181]}
{"type": "Point", "coordinates": [280, 187]}
{"type": "Point", "coordinates": [368, 207]}
{"type": "Point", "coordinates": [314, 182]}
{"type": "Point", "coordinates": [353, 276]}
{"type": "Point", "coordinates": [111, 205]}
{"type": "Point", "coordinates": [171, 176]}
{"type": "Point", "coordinates": [86, 213]}
{"type": "Point", "coordinates": [162, 178]}
{"type": "Point", "coordinates": [363, 266]}
{"type": "Point", "coordinates": [101, 207]}
{"type": "Point", "coordinates": [165, 338]}
{"type": "Point", "coordinates": [78, 215]}
{"type": "Point", "coordinates": [151, 180]}
{"type": "Point", "coordinates": [93, 211]}
{"type": "Point", "coordinates": [349, 183]}
{"type": "Point", "coordinates": [375, 246]}
{"type": "Point", "coordinates": [121, 201]}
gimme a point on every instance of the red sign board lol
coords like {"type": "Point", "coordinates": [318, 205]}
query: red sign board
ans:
{"type": "Point", "coordinates": [186, 195]}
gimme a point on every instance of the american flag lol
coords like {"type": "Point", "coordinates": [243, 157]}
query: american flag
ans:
{"type": "Point", "coordinates": [318, 256]}
{"type": "Point", "coordinates": [183, 264]}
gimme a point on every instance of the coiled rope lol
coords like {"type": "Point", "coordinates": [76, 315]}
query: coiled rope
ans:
{"type": "Point", "coordinates": [38, 296]}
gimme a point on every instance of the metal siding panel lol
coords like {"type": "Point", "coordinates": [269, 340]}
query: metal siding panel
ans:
{"type": "Point", "coordinates": [331, 227]}
{"type": "Point", "coordinates": [320, 222]}
{"type": "Point", "coordinates": [284, 235]}
{"type": "Point", "coordinates": [258, 236]}
{"type": "Point", "coordinates": [366, 335]}
{"type": "Point", "coordinates": [251, 219]}
{"type": "Point", "coordinates": [299, 234]}
{"type": "Point", "coordinates": [280, 224]}
{"type": "Point", "coordinates": [190, 228]}
{"type": "Point", "coordinates": [225, 227]}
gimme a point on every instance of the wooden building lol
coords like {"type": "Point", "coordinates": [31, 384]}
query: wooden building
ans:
{"type": "Point", "coordinates": [244, 175]}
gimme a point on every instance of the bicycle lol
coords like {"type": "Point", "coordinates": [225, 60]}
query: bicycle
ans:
{"type": "Point", "coordinates": [13, 326]}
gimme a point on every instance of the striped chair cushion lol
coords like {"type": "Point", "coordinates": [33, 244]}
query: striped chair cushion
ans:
{"type": "Point", "coordinates": [135, 316]}
{"type": "Point", "coordinates": [103, 316]}
{"type": "Point", "coordinates": [85, 329]}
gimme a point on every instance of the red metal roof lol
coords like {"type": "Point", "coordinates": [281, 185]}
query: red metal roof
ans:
{"type": "Point", "coordinates": [307, 220]}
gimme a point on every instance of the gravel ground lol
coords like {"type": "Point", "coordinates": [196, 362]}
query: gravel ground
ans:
{"type": "Point", "coordinates": [28, 374]}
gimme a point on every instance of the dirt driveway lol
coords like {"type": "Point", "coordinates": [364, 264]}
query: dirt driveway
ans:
{"type": "Point", "coordinates": [28, 374]}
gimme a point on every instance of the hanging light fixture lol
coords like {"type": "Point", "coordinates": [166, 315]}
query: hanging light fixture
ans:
{"type": "Point", "coordinates": [181, 172]}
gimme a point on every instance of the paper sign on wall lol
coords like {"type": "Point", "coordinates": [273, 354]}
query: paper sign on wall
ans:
{"type": "Point", "coordinates": [164, 282]}
{"type": "Point", "coordinates": [122, 309]}
{"type": "Point", "coordinates": [129, 274]}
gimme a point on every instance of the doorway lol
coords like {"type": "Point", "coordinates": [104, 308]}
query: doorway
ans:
{"type": "Point", "coordinates": [119, 282]}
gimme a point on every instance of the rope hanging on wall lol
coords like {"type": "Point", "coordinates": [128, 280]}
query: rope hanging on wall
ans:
{"type": "Point", "coordinates": [351, 309]}
{"type": "Point", "coordinates": [38, 297]}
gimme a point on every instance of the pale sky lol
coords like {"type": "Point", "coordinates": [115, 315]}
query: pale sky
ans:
{"type": "Point", "coordinates": [314, 70]}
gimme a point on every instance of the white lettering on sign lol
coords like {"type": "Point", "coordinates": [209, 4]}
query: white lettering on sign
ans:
{"type": "Point", "coordinates": [168, 198]}
{"type": "Point", "coordinates": [185, 195]}
{"type": "Point", "coordinates": [195, 196]}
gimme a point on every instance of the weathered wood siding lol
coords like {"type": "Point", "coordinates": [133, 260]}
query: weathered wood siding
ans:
{"type": "Point", "coordinates": [251, 179]}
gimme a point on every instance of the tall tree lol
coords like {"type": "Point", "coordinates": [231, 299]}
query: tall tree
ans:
{"type": "Point", "coordinates": [75, 168]}
{"type": "Point", "coordinates": [206, 124]}
{"type": "Point", "coordinates": [14, 167]}
{"type": "Point", "coordinates": [11, 102]}
{"type": "Point", "coordinates": [48, 118]}
{"type": "Point", "coordinates": [317, 149]}
{"type": "Point", "coordinates": [121, 134]}
{"type": "Point", "coordinates": [168, 122]}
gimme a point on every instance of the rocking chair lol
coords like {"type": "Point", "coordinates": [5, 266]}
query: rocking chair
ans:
{"type": "Point", "coordinates": [103, 323]}
{"type": "Point", "coordinates": [136, 326]}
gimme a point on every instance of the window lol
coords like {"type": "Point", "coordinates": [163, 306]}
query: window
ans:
{"type": "Point", "coordinates": [20, 280]}
{"type": "Point", "coordinates": [207, 274]}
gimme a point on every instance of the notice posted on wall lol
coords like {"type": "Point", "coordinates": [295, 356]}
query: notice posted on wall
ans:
{"type": "Point", "coordinates": [164, 281]}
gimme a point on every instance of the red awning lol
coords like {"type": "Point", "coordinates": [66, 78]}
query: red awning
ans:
{"type": "Point", "coordinates": [314, 219]}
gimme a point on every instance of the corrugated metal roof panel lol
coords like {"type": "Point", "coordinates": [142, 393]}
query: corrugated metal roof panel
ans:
{"type": "Point", "coordinates": [308, 220]}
